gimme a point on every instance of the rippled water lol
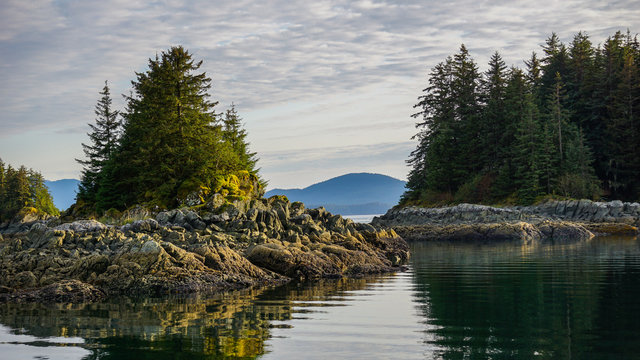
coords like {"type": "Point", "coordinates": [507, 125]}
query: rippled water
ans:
{"type": "Point", "coordinates": [461, 301]}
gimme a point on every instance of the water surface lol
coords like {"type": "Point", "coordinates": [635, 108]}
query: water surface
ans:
{"type": "Point", "coordinates": [456, 302]}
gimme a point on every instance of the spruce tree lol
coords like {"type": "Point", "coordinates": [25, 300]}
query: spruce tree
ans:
{"type": "Point", "coordinates": [514, 109]}
{"type": "Point", "coordinates": [492, 120]}
{"type": "Point", "coordinates": [567, 127]}
{"type": "Point", "coordinates": [527, 153]}
{"type": "Point", "coordinates": [40, 197]}
{"type": "Point", "coordinates": [558, 117]}
{"type": "Point", "coordinates": [623, 128]}
{"type": "Point", "coordinates": [235, 135]}
{"type": "Point", "coordinates": [466, 131]}
{"type": "Point", "coordinates": [104, 142]}
{"type": "Point", "coordinates": [432, 160]}
{"type": "Point", "coordinates": [172, 142]}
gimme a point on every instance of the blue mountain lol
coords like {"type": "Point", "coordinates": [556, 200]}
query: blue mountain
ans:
{"type": "Point", "coordinates": [350, 194]}
{"type": "Point", "coordinates": [63, 192]}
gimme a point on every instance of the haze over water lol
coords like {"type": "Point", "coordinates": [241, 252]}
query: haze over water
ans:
{"type": "Point", "coordinates": [456, 301]}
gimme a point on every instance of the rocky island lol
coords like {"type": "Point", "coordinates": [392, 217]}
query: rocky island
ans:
{"type": "Point", "coordinates": [219, 246]}
{"type": "Point", "coordinates": [567, 220]}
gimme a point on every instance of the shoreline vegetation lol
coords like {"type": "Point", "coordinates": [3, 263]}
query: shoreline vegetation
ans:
{"type": "Point", "coordinates": [565, 127]}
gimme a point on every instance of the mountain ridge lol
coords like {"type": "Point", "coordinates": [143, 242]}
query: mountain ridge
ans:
{"type": "Point", "coordinates": [349, 194]}
{"type": "Point", "coordinates": [63, 192]}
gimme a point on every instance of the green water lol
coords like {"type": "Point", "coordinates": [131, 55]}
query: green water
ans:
{"type": "Point", "coordinates": [564, 301]}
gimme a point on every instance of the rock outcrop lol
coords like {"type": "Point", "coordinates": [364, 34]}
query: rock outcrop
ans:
{"type": "Point", "coordinates": [573, 220]}
{"type": "Point", "coordinates": [582, 211]}
{"type": "Point", "coordinates": [516, 232]}
{"type": "Point", "coordinates": [217, 246]}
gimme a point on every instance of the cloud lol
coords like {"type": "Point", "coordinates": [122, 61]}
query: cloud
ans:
{"type": "Point", "coordinates": [353, 63]}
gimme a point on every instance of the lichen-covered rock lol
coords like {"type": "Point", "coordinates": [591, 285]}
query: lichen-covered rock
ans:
{"type": "Point", "coordinates": [218, 246]}
{"type": "Point", "coordinates": [82, 226]}
{"type": "Point", "coordinates": [574, 211]}
{"type": "Point", "coordinates": [611, 228]}
{"type": "Point", "coordinates": [519, 232]}
{"type": "Point", "coordinates": [73, 291]}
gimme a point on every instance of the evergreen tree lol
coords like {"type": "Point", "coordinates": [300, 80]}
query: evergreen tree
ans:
{"type": "Point", "coordinates": [493, 120]}
{"type": "Point", "coordinates": [534, 73]}
{"type": "Point", "coordinates": [527, 153]}
{"type": "Point", "coordinates": [22, 188]}
{"type": "Point", "coordinates": [515, 105]}
{"type": "Point", "coordinates": [172, 143]}
{"type": "Point", "coordinates": [554, 62]}
{"type": "Point", "coordinates": [623, 128]}
{"type": "Point", "coordinates": [579, 180]}
{"type": "Point", "coordinates": [581, 81]}
{"type": "Point", "coordinates": [104, 142]}
{"type": "Point", "coordinates": [558, 117]}
{"type": "Point", "coordinates": [432, 161]}
{"type": "Point", "coordinates": [40, 197]}
{"type": "Point", "coordinates": [467, 110]}
{"type": "Point", "coordinates": [567, 127]}
{"type": "Point", "coordinates": [236, 136]}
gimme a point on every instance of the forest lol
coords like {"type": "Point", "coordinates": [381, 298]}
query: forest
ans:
{"type": "Point", "coordinates": [565, 126]}
{"type": "Point", "coordinates": [167, 145]}
{"type": "Point", "coordinates": [20, 189]}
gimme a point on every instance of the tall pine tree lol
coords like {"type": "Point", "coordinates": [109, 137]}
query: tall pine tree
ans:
{"type": "Point", "coordinates": [104, 142]}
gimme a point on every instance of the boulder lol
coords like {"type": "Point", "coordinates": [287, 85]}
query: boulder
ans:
{"type": "Point", "coordinates": [82, 226]}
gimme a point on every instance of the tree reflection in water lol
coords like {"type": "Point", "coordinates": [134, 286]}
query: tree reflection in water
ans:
{"type": "Point", "coordinates": [228, 325]}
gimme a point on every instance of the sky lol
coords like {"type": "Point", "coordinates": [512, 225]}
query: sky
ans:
{"type": "Point", "coordinates": [324, 87]}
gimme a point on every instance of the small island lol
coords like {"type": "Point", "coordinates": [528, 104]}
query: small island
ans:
{"type": "Point", "coordinates": [171, 202]}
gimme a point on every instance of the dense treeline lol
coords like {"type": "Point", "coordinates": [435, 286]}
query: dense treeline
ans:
{"type": "Point", "coordinates": [23, 188]}
{"type": "Point", "coordinates": [169, 143]}
{"type": "Point", "coordinates": [567, 125]}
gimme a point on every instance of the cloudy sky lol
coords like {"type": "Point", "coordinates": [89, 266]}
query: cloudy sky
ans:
{"type": "Point", "coordinates": [324, 87]}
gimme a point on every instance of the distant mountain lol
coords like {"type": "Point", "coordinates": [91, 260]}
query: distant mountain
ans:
{"type": "Point", "coordinates": [350, 194]}
{"type": "Point", "coordinates": [63, 192]}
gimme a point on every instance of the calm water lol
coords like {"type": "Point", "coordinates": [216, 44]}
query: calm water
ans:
{"type": "Point", "coordinates": [578, 301]}
{"type": "Point", "coordinates": [362, 218]}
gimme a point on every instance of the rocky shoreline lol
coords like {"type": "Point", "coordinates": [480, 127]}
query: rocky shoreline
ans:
{"type": "Point", "coordinates": [572, 220]}
{"type": "Point", "coordinates": [214, 247]}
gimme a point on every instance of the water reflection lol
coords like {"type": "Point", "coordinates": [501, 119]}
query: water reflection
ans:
{"type": "Point", "coordinates": [554, 301]}
{"type": "Point", "coordinates": [230, 325]}
{"type": "Point", "coordinates": [459, 301]}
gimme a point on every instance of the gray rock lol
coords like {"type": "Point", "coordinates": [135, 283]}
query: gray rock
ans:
{"type": "Point", "coordinates": [82, 226]}
{"type": "Point", "coordinates": [150, 247]}
{"type": "Point", "coordinates": [146, 225]}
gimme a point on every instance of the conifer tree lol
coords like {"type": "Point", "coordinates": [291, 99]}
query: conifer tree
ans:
{"type": "Point", "coordinates": [235, 135]}
{"type": "Point", "coordinates": [527, 154]}
{"type": "Point", "coordinates": [623, 129]}
{"type": "Point", "coordinates": [492, 119]}
{"type": "Point", "coordinates": [172, 142]}
{"type": "Point", "coordinates": [467, 130]}
{"type": "Point", "coordinates": [104, 142]}
{"type": "Point", "coordinates": [567, 127]}
{"type": "Point", "coordinates": [431, 161]}
{"type": "Point", "coordinates": [558, 116]}
{"type": "Point", "coordinates": [514, 109]}
{"type": "Point", "coordinates": [534, 73]}
{"type": "Point", "coordinates": [40, 197]}
{"type": "Point", "coordinates": [23, 188]}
